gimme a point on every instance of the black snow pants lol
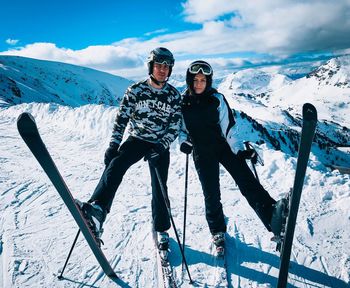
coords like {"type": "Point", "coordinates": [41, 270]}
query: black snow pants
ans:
{"type": "Point", "coordinates": [130, 152]}
{"type": "Point", "coordinates": [207, 165]}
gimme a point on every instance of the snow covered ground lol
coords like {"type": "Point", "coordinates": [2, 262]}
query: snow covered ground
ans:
{"type": "Point", "coordinates": [36, 229]}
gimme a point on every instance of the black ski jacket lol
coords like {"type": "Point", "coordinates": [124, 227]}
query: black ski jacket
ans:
{"type": "Point", "coordinates": [207, 121]}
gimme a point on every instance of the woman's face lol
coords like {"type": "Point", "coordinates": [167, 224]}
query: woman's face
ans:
{"type": "Point", "coordinates": [199, 83]}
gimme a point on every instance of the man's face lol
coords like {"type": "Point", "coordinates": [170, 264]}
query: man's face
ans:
{"type": "Point", "coordinates": [160, 71]}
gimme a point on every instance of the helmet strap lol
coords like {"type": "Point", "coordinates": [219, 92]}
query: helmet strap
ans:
{"type": "Point", "coordinates": [158, 82]}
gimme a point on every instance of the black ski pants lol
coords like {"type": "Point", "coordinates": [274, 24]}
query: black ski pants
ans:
{"type": "Point", "coordinates": [130, 152]}
{"type": "Point", "coordinates": [207, 165]}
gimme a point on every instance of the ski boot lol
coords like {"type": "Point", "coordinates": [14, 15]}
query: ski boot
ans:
{"type": "Point", "coordinates": [219, 242]}
{"type": "Point", "coordinates": [278, 221]}
{"type": "Point", "coordinates": [95, 216]}
{"type": "Point", "coordinates": [163, 244]}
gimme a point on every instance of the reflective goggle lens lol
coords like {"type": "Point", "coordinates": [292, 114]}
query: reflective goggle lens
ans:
{"type": "Point", "coordinates": [200, 67]}
{"type": "Point", "coordinates": [165, 61]}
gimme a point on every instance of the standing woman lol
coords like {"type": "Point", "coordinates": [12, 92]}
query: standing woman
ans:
{"type": "Point", "coordinates": [208, 129]}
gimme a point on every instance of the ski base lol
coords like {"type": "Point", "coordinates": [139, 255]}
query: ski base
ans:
{"type": "Point", "coordinates": [166, 274]}
{"type": "Point", "coordinates": [286, 241]}
{"type": "Point", "coordinates": [28, 130]}
{"type": "Point", "coordinates": [215, 273]}
{"type": "Point", "coordinates": [220, 275]}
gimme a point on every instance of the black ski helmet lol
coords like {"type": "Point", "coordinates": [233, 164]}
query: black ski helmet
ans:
{"type": "Point", "coordinates": [160, 55]}
{"type": "Point", "coordinates": [196, 67]}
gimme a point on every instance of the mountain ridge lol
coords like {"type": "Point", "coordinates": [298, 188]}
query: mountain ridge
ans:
{"type": "Point", "coordinates": [25, 80]}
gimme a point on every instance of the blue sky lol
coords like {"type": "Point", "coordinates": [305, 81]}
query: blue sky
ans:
{"type": "Point", "coordinates": [116, 36]}
{"type": "Point", "coordinates": [77, 24]}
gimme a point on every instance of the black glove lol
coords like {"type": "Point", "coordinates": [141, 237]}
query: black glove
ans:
{"type": "Point", "coordinates": [248, 154]}
{"type": "Point", "coordinates": [159, 148]}
{"type": "Point", "coordinates": [154, 154]}
{"type": "Point", "coordinates": [186, 147]}
{"type": "Point", "coordinates": [111, 152]}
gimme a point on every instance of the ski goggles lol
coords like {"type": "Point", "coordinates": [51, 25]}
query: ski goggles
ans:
{"type": "Point", "coordinates": [195, 68]}
{"type": "Point", "coordinates": [163, 60]}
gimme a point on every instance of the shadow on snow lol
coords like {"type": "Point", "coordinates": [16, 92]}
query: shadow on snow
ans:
{"type": "Point", "coordinates": [238, 252]}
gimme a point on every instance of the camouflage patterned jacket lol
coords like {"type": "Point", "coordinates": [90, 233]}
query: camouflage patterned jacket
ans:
{"type": "Point", "coordinates": [154, 114]}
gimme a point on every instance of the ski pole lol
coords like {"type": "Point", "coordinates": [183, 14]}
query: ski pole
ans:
{"type": "Point", "coordinates": [69, 254]}
{"type": "Point", "coordinates": [167, 203]}
{"type": "Point", "coordinates": [185, 208]}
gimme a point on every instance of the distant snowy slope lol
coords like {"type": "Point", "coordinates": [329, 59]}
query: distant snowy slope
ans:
{"type": "Point", "coordinates": [255, 81]}
{"type": "Point", "coordinates": [328, 88]}
{"type": "Point", "coordinates": [24, 80]}
{"type": "Point", "coordinates": [270, 104]}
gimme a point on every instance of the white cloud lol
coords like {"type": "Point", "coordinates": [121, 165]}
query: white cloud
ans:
{"type": "Point", "coordinates": [199, 11]}
{"type": "Point", "coordinates": [11, 41]}
{"type": "Point", "coordinates": [159, 31]}
{"type": "Point", "coordinates": [271, 26]}
{"type": "Point", "coordinates": [106, 58]}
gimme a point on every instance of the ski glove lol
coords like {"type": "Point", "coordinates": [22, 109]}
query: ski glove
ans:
{"type": "Point", "coordinates": [111, 152]}
{"type": "Point", "coordinates": [186, 147]}
{"type": "Point", "coordinates": [159, 148]}
{"type": "Point", "coordinates": [248, 154]}
{"type": "Point", "coordinates": [154, 154]}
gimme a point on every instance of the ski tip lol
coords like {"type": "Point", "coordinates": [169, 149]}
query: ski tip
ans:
{"type": "Point", "coordinates": [25, 116]}
{"type": "Point", "coordinates": [309, 112]}
{"type": "Point", "coordinates": [26, 123]}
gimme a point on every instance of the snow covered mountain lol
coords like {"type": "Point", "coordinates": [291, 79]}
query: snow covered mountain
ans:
{"type": "Point", "coordinates": [36, 229]}
{"type": "Point", "coordinates": [256, 82]}
{"type": "Point", "coordinates": [328, 87]}
{"type": "Point", "coordinates": [271, 105]}
{"type": "Point", "coordinates": [25, 80]}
